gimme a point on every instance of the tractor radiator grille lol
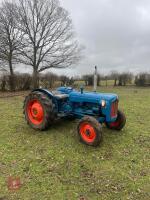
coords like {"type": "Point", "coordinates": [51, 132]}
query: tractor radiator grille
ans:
{"type": "Point", "coordinates": [114, 109]}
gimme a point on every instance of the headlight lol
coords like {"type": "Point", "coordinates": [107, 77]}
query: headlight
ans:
{"type": "Point", "coordinates": [103, 103]}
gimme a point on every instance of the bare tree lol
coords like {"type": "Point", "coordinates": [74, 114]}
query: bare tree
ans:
{"type": "Point", "coordinates": [106, 79]}
{"type": "Point", "coordinates": [125, 78]}
{"type": "Point", "coordinates": [48, 80]}
{"type": "Point", "coordinates": [142, 79]}
{"type": "Point", "coordinates": [99, 80]}
{"type": "Point", "coordinates": [114, 75]}
{"type": "Point", "coordinates": [9, 39]}
{"type": "Point", "coordinates": [64, 80]}
{"type": "Point", "coordinates": [88, 79]}
{"type": "Point", "coordinates": [49, 40]}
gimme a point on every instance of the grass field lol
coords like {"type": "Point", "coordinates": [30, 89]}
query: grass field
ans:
{"type": "Point", "coordinates": [102, 83]}
{"type": "Point", "coordinates": [55, 165]}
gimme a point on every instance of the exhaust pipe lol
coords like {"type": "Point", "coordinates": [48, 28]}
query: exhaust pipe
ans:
{"type": "Point", "coordinates": [95, 79]}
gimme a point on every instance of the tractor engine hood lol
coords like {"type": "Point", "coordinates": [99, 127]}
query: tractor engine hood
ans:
{"type": "Point", "coordinates": [92, 97]}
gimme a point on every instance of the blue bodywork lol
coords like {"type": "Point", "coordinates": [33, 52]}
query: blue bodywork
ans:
{"type": "Point", "coordinates": [69, 101]}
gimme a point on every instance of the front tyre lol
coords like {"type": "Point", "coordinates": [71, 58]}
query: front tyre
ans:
{"type": "Point", "coordinates": [90, 131]}
{"type": "Point", "coordinates": [119, 123]}
{"type": "Point", "coordinates": [38, 110]}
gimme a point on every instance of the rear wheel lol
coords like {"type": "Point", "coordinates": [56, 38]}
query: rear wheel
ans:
{"type": "Point", "coordinates": [119, 123]}
{"type": "Point", "coordinates": [38, 110]}
{"type": "Point", "coordinates": [90, 131]}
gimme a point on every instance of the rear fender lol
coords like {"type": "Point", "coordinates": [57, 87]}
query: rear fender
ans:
{"type": "Point", "coordinates": [50, 95]}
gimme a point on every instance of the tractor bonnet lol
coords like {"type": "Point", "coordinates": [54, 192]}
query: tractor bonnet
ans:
{"type": "Point", "coordinates": [91, 97]}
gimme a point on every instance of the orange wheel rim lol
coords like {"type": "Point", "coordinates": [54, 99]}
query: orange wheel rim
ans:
{"type": "Point", "coordinates": [35, 112]}
{"type": "Point", "coordinates": [87, 132]}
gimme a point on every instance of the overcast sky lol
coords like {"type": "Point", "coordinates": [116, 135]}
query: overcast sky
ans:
{"type": "Point", "coordinates": [116, 34]}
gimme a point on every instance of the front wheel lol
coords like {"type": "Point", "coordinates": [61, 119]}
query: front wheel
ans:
{"type": "Point", "coordinates": [119, 123]}
{"type": "Point", "coordinates": [90, 131]}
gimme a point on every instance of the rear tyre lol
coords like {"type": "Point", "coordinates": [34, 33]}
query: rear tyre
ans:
{"type": "Point", "coordinates": [119, 123]}
{"type": "Point", "coordinates": [90, 131]}
{"type": "Point", "coordinates": [38, 110]}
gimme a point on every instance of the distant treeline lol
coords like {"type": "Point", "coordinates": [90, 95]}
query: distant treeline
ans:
{"type": "Point", "coordinates": [119, 79]}
{"type": "Point", "coordinates": [23, 81]}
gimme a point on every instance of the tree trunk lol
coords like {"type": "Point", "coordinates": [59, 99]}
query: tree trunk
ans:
{"type": "Point", "coordinates": [120, 82]}
{"type": "Point", "coordinates": [98, 82]}
{"type": "Point", "coordinates": [115, 82]}
{"type": "Point", "coordinates": [3, 84]}
{"type": "Point", "coordinates": [106, 81]}
{"type": "Point", "coordinates": [35, 79]}
{"type": "Point", "coordinates": [11, 78]}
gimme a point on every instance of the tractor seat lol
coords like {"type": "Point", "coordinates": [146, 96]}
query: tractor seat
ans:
{"type": "Point", "coordinates": [59, 95]}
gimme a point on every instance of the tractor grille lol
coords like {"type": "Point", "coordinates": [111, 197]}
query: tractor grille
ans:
{"type": "Point", "coordinates": [114, 109]}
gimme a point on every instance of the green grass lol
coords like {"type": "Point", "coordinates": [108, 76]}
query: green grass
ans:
{"type": "Point", "coordinates": [55, 165]}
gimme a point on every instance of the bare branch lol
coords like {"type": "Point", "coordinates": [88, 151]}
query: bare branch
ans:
{"type": "Point", "coordinates": [48, 35]}
{"type": "Point", "coordinates": [10, 38]}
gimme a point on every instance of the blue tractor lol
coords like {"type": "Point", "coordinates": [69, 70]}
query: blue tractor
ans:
{"type": "Point", "coordinates": [42, 108]}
